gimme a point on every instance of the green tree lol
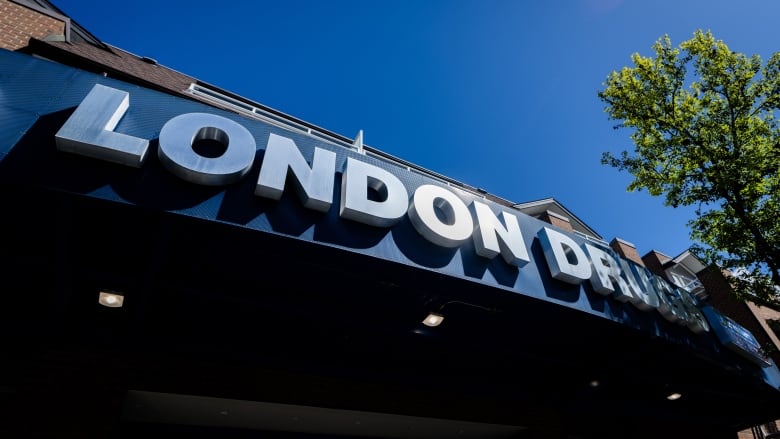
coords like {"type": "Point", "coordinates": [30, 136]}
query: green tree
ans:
{"type": "Point", "coordinates": [705, 134]}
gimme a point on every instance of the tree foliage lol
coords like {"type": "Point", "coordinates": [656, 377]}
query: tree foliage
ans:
{"type": "Point", "coordinates": [702, 120]}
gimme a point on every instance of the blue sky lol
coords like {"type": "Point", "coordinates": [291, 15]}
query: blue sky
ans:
{"type": "Point", "coordinates": [501, 95]}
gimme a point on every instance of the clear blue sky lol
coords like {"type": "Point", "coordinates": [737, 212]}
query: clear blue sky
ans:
{"type": "Point", "coordinates": [501, 95]}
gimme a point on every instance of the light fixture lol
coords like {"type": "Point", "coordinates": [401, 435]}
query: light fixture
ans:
{"type": "Point", "coordinates": [674, 396]}
{"type": "Point", "coordinates": [433, 319]}
{"type": "Point", "coordinates": [111, 299]}
{"type": "Point", "coordinates": [594, 383]}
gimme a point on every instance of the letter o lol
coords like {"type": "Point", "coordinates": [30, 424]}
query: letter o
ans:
{"type": "Point", "coordinates": [451, 231]}
{"type": "Point", "coordinates": [180, 133]}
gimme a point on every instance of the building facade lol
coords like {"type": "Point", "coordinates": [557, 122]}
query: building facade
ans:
{"type": "Point", "coordinates": [184, 261]}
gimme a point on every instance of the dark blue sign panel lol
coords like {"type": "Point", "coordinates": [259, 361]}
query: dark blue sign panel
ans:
{"type": "Point", "coordinates": [128, 144]}
{"type": "Point", "coordinates": [736, 337]}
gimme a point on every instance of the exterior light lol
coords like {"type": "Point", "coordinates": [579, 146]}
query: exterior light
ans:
{"type": "Point", "coordinates": [111, 299]}
{"type": "Point", "coordinates": [674, 396]}
{"type": "Point", "coordinates": [433, 319]}
{"type": "Point", "coordinates": [594, 383]}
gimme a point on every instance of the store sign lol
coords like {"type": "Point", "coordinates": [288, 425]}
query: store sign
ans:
{"type": "Point", "coordinates": [369, 194]}
{"type": "Point", "coordinates": [735, 337]}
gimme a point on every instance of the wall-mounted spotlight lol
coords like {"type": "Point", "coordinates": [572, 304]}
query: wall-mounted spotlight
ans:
{"type": "Point", "coordinates": [433, 319]}
{"type": "Point", "coordinates": [674, 396]}
{"type": "Point", "coordinates": [111, 299]}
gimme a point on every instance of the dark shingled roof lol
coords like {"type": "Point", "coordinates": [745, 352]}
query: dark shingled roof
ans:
{"type": "Point", "coordinates": [120, 64]}
{"type": "Point", "coordinates": [115, 62]}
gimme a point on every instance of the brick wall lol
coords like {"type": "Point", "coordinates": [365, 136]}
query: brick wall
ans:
{"type": "Point", "coordinates": [654, 261]}
{"type": "Point", "coordinates": [556, 220]}
{"type": "Point", "coordinates": [763, 315]}
{"type": "Point", "coordinates": [626, 250]}
{"type": "Point", "coordinates": [721, 298]}
{"type": "Point", "coordinates": [18, 24]}
{"type": "Point", "coordinates": [770, 427]}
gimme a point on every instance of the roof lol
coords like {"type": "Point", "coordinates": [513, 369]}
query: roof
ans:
{"type": "Point", "coordinates": [113, 62]}
{"type": "Point", "coordinates": [687, 260]}
{"type": "Point", "coordinates": [539, 207]}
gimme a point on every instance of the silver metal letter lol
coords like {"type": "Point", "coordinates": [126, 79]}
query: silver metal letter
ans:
{"type": "Point", "coordinates": [669, 303]}
{"type": "Point", "coordinates": [455, 224]}
{"type": "Point", "coordinates": [696, 321]}
{"type": "Point", "coordinates": [391, 197]}
{"type": "Point", "coordinates": [640, 276]}
{"type": "Point", "coordinates": [567, 261]}
{"type": "Point", "coordinates": [603, 268]}
{"type": "Point", "coordinates": [608, 272]}
{"type": "Point", "coordinates": [89, 131]}
{"type": "Point", "coordinates": [491, 237]}
{"type": "Point", "coordinates": [180, 133]}
{"type": "Point", "coordinates": [314, 185]}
